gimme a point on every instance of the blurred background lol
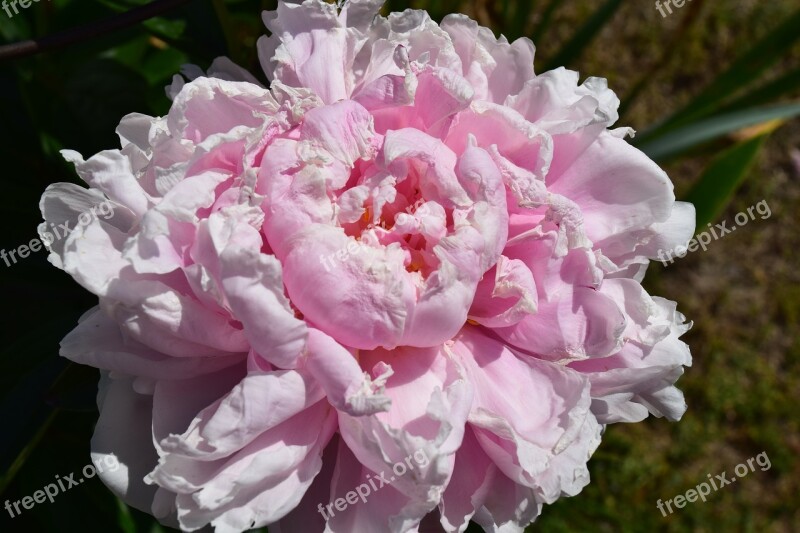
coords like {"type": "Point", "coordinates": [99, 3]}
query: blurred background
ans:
{"type": "Point", "coordinates": [712, 89]}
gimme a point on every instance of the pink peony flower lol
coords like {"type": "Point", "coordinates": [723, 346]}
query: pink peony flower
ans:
{"type": "Point", "coordinates": [409, 246]}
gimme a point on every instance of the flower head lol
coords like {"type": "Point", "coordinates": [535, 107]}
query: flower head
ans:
{"type": "Point", "coordinates": [409, 247]}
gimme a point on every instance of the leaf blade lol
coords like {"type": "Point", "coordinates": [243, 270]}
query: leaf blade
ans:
{"type": "Point", "coordinates": [745, 69]}
{"type": "Point", "coordinates": [715, 187]}
{"type": "Point", "coordinates": [585, 34]}
{"type": "Point", "coordinates": [686, 137]}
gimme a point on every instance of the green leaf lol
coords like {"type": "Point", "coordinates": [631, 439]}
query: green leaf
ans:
{"type": "Point", "coordinates": [226, 25]}
{"type": "Point", "coordinates": [544, 21]}
{"type": "Point", "coordinates": [746, 69]}
{"type": "Point", "coordinates": [16, 29]}
{"type": "Point", "coordinates": [575, 46]}
{"type": "Point", "coordinates": [516, 16]}
{"type": "Point", "coordinates": [671, 48]}
{"type": "Point", "coordinates": [163, 26]}
{"type": "Point", "coordinates": [682, 139]}
{"type": "Point", "coordinates": [26, 452]}
{"type": "Point", "coordinates": [770, 92]}
{"type": "Point", "coordinates": [124, 518]}
{"type": "Point", "coordinates": [713, 191]}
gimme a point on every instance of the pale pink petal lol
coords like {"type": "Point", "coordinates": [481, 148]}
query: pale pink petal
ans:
{"type": "Point", "coordinates": [472, 481]}
{"type": "Point", "coordinates": [620, 192]}
{"type": "Point", "coordinates": [307, 516]}
{"type": "Point", "coordinates": [63, 204]}
{"type": "Point", "coordinates": [430, 402]}
{"type": "Point", "coordinates": [253, 286]}
{"type": "Point", "coordinates": [111, 173]}
{"type": "Point", "coordinates": [309, 47]}
{"type": "Point", "coordinates": [518, 140]}
{"type": "Point", "coordinates": [209, 106]}
{"type": "Point", "coordinates": [347, 387]}
{"type": "Point", "coordinates": [342, 131]}
{"type": "Point", "coordinates": [508, 507]}
{"type": "Point", "coordinates": [258, 403]}
{"type": "Point", "coordinates": [495, 68]}
{"type": "Point", "coordinates": [640, 378]}
{"type": "Point", "coordinates": [257, 485]}
{"type": "Point", "coordinates": [97, 341]}
{"type": "Point", "coordinates": [385, 509]}
{"type": "Point", "coordinates": [168, 231]}
{"type": "Point", "coordinates": [358, 311]}
{"type": "Point", "coordinates": [506, 295]}
{"type": "Point", "coordinates": [542, 415]}
{"type": "Point", "coordinates": [554, 101]}
{"type": "Point", "coordinates": [122, 437]}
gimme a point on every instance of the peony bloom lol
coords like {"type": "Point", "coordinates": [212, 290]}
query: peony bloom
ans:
{"type": "Point", "coordinates": [410, 251]}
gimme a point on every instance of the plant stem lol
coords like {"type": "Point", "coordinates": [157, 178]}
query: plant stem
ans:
{"type": "Point", "coordinates": [84, 33]}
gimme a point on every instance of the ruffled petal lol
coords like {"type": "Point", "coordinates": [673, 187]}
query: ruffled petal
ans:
{"type": "Point", "coordinates": [257, 484]}
{"type": "Point", "coordinates": [97, 341]}
{"type": "Point", "coordinates": [495, 68]}
{"type": "Point", "coordinates": [122, 438]}
{"type": "Point", "coordinates": [253, 286]}
{"type": "Point", "coordinates": [505, 296]}
{"type": "Point", "coordinates": [309, 47]}
{"type": "Point", "coordinates": [620, 191]}
{"type": "Point", "coordinates": [540, 432]}
{"type": "Point", "coordinates": [347, 387]}
{"type": "Point", "coordinates": [469, 487]}
{"type": "Point", "coordinates": [424, 426]}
